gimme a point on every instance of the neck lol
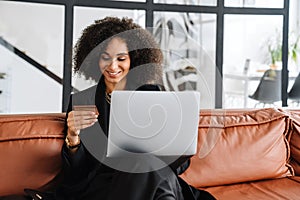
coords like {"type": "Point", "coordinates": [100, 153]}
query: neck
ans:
{"type": "Point", "coordinates": [110, 87]}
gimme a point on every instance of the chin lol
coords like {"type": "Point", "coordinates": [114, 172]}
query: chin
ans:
{"type": "Point", "coordinates": [114, 81]}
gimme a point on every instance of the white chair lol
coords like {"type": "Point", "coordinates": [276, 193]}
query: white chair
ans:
{"type": "Point", "coordinates": [181, 79]}
{"type": "Point", "coordinates": [233, 93]}
{"type": "Point", "coordinates": [234, 90]}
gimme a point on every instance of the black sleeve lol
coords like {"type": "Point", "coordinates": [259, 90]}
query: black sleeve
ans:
{"type": "Point", "coordinates": [76, 165]}
{"type": "Point", "coordinates": [150, 87]}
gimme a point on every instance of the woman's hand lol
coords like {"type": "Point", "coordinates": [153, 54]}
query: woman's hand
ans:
{"type": "Point", "coordinates": [78, 120]}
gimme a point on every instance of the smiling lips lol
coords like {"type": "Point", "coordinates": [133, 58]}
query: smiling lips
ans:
{"type": "Point", "coordinates": [113, 74]}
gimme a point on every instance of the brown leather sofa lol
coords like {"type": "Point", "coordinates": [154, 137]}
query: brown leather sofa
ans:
{"type": "Point", "coordinates": [242, 154]}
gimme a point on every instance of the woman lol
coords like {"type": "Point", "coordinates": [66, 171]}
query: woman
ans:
{"type": "Point", "coordinates": [119, 55]}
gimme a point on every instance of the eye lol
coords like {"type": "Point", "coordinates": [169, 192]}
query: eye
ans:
{"type": "Point", "coordinates": [121, 59]}
{"type": "Point", "coordinates": [105, 57]}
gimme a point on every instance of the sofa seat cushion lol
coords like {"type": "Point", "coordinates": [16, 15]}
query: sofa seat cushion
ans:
{"type": "Point", "coordinates": [30, 151]}
{"type": "Point", "coordinates": [283, 188]}
{"type": "Point", "coordinates": [238, 146]}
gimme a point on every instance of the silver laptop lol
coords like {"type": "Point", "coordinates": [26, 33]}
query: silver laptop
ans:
{"type": "Point", "coordinates": [156, 122]}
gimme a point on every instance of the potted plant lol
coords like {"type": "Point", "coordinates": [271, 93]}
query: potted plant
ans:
{"type": "Point", "coordinates": [276, 54]}
{"type": "Point", "coordinates": [275, 48]}
{"type": "Point", "coordinates": [294, 48]}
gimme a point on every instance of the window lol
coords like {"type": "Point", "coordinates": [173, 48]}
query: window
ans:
{"type": "Point", "coordinates": [225, 31]}
{"type": "Point", "coordinates": [247, 39]}
{"type": "Point", "coordinates": [31, 57]}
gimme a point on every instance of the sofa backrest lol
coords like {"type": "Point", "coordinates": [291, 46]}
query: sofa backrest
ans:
{"type": "Point", "coordinates": [294, 139]}
{"type": "Point", "coordinates": [239, 146]}
{"type": "Point", "coordinates": [30, 151]}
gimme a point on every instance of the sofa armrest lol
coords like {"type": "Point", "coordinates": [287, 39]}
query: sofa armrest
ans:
{"type": "Point", "coordinates": [30, 151]}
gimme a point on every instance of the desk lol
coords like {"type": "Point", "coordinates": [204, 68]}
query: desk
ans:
{"type": "Point", "coordinates": [246, 79]}
{"type": "Point", "coordinates": [251, 77]}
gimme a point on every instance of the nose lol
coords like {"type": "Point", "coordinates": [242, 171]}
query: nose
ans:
{"type": "Point", "coordinates": [113, 65]}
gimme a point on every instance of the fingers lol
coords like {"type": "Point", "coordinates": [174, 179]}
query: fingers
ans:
{"type": "Point", "coordinates": [78, 120]}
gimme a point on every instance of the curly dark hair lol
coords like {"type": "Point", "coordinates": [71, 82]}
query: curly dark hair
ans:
{"type": "Point", "coordinates": [143, 50]}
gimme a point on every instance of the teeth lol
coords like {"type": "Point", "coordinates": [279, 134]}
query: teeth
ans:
{"type": "Point", "coordinates": [113, 73]}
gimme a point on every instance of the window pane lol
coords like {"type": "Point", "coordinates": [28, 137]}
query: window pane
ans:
{"type": "Point", "coordinates": [248, 41]}
{"type": "Point", "coordinates": [37, 31]}
{"type": "Point", "coordinates": [188, 43]}
{"type": "Point", "coordinates": [36, 27]}
{"type": "Point", "coordinates": [294, 55]}
{"type": "Point", "coordinates": [255, 3]}
{"type": "Point", "coordinates": [84, 16]}
{"type": "Point", "coordinates": [189, 2]}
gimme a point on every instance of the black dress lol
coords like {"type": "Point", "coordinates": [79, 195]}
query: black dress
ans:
{"type": "Point", "coordinates": [89, 175]}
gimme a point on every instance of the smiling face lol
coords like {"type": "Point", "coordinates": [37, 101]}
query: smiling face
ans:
{"type": "Point", "coordinates": [114, 63]}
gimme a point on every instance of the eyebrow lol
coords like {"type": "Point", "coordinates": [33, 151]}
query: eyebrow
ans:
{"type": "Point", "coordinates": [119, 54]}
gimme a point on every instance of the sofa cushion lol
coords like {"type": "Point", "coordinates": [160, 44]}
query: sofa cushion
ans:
{"type": "Point", "coordinates": [294, 140]}
{"type": "Point", "coordinates": [30, 151]}
{"type": "Point", "coordinates": [238, 146]}
{"type": "Point", "coordinates": [281, 188]}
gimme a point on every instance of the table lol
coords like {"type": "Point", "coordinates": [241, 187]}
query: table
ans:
{"type": "Point", "coordinates": [251, 77]}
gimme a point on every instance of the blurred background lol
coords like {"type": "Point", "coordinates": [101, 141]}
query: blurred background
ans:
{"type": "Point", "coordinates": [237, 53]}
